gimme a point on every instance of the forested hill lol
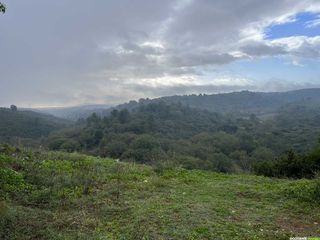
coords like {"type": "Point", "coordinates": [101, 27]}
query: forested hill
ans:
{"type": "Point", "coordinates": [244, 102]}
{"type": "Point", "coordinates": [27, 124]}
{"type": "Point", "coordinates": [194, 138]}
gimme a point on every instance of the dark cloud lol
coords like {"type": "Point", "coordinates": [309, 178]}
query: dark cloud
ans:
{"type": "Point", "coordinates": [262, 49]}
{"type": "Point", "coordinates": [73, 52]}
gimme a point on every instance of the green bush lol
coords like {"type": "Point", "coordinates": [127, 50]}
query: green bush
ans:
{"type": "Point", "coordinates": [10, 180]}
{"type": "Point", "coordinates": [304, 190]}
{"type": "Point", "coordinates": [5, 219]}
{"type": "Point", "coordinates": [316, 193]}
{"type": "Point", "coordinates": [291, 165]}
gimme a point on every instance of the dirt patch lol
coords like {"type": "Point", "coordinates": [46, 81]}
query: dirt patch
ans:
{"type": "Point", "coordinates": [299, 227]}
{"type": "Point", "coordinates": [249, 194]}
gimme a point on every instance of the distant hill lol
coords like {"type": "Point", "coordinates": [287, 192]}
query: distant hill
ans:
{"type": "Point", "coordinates": [74, 113]}
{"type": "Point", "coordinates": [244, 102]}
{"type": "Point", "coordinates": [27, 124]}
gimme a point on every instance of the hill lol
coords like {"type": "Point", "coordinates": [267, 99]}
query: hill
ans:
{"type": "Point", "coordinates": [244, 103]}
{"type": "Point", "coordinates": [80, 197]}
{"type": "Point", "coordinates": [241, 103]}
{"type": "Point", "coordinates": [27, 124]}
{"type": "Point", "coordinates": [176, 134]}
{"type": "Point", "coordinates": [73, 113]}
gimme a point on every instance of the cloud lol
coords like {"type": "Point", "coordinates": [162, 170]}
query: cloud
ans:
{"type": "Point", "coordinates": [314, 23]}
{"type": "Point", "coordinates": [300, 46]}
{"type": "Point", "coordinates": [281, 85]}
{"type": "Point", "coordinates": [262, 48]}
{"type": "Point", "coordinates": [294, 47]}
{"type": "Point", "coordinates": [75, 52]}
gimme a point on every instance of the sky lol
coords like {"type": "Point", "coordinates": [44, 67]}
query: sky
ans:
{"type": "Point", "coordinates": [76, 52]}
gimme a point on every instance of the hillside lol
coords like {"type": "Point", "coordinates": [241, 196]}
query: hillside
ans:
{"type": "Point", "coordinates": [74, 113]}
{"type": "Point", "coordinates": [244, 102]}
{"type": "Point", "coordinates": [191, 137]}
{"type": "Point", "coordinates": [79, 197]}
{"type": "Point", "coordinates": [27, 124]}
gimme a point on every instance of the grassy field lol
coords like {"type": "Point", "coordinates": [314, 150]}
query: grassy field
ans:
{"type": "Point", "coordinates": [72, 196]}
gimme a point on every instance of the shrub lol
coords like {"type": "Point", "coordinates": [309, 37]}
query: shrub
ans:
{"type": "Point", "coordinates": [304, 190]}
{"type": "Point", "coordinates": [291, 165]}
{"type": "Point", "coordinates": [10, 180]}
{"type": "Point", "coordinates": [316, 193]}
{"type": "Point", "coordinates": [162, 166]}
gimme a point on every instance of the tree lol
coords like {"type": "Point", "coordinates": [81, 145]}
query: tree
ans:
{"type": "Point", "coordinates": [2, 8]}
{"type": "Point", "coordinates": [116, 149]}
{"type": "Point", "coordinates": [114, 113]}
{"type": "Point", "coordinates": [123, 116]}
{"type": "Point", "coordinates": [94, 120]}
{"type": "Point", "coordinates": [13, 108]}
{"type": "Point", "coordinates": [145, 149]}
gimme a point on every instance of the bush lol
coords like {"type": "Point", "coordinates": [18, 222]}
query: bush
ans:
{"type": "Point", "coordinates": [304, 190]}
{"type": "Point", "coordinates": [291, 165]}
{"type": "Point", "coordinates": [10, 180]}
{"type": "Point", "coordinates": [162, 166]}
{"type": "Point", "coordinates": [5, 220]}
{"type": "Point", "coordinates": [316, 193]}
{"type": "Point", "coordinates": [116, 149]}
{"type": "Point", "coordinates": [187, 162]}
{"type": "Point", "coordinates": [145, 149]}
{"type": "Point", "coordinates": [70, 146]}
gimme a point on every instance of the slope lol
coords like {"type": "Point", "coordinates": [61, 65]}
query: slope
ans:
{"type": "Point", "coordinates": [244, 102]}
{"type": "Point", "coordinates": [79, 197]}
{"type": "Point", "coordinates": [27, 124]}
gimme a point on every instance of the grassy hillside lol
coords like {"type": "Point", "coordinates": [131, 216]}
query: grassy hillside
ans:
{"type": "Point", "coordinates": [27, 124]}
{"type": "Point", "coordinates": [70, 196]}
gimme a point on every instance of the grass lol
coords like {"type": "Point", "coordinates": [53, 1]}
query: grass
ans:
{"type": "Point", "coordinates": [71, 196]}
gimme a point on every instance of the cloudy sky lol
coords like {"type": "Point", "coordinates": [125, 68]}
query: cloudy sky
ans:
{"type": "Point", "coordinates": [73, 52]}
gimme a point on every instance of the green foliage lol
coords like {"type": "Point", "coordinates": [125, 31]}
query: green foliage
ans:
{"type": "Point", "coordinates": [69, 146]}
{"type": "Point", "coordinates": [242, 103]}
{"type": "Point", "coordinates": [82, 197]}
{"type": "Point", "coordinates": [7, 150]}
{"type": "Point", "coordinates": [16, 125]}
{"type": "Point", "coordinates": [304, 190]}
{"type": "Point", "coordinates": [57, 165]}
{"type": "Point", "coordinates": [316, 191]}
{"type": "Point", "coordinates": [146, 149]}
{"type": "Point", "coordinates": [10, 180]}
{"type": "Point", "coordinates": [263, 154]}
{"type": "Point", "coordinates": [292, 165]}
{"type": "Point", "coordinates": [155, 132]}
{"type": "Point", "coordinates": [115, 149]}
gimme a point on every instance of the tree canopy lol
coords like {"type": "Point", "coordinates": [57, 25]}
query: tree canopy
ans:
{"type": "Point", "coordinates": [192, 138]}
{"type": "Point", "coordinates": [2, 8]}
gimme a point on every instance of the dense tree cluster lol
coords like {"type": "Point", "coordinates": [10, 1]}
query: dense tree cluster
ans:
{"type": "Point", "coordinates": [163, 131]}
{"type": "Point", "coordinates": [240, 103]}
{"type": "Point", "coordinates": [155, 133]}
{"type": "Point", "coordinates": [292, 165]}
